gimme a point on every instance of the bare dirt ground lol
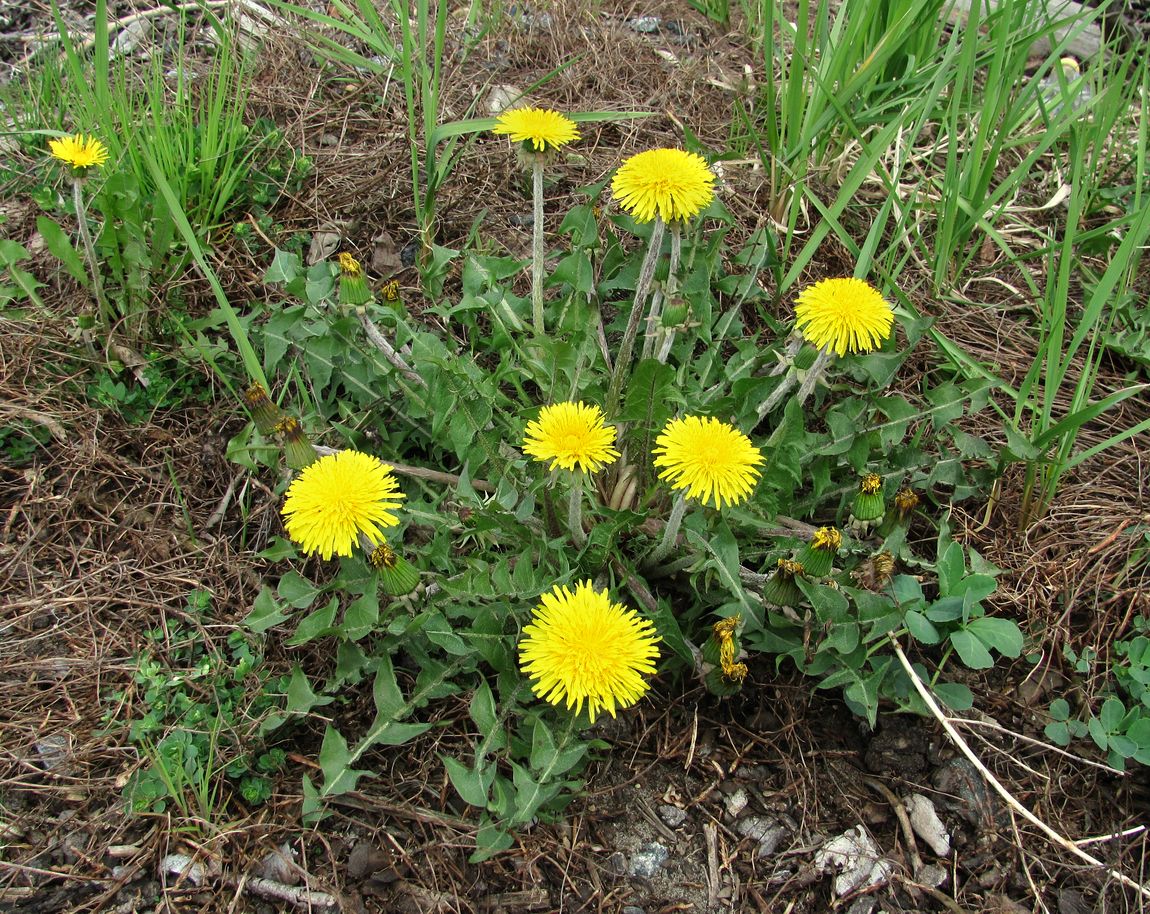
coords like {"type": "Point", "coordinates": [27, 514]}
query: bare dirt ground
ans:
{"type": "Point", "coordinates": [108, 527]}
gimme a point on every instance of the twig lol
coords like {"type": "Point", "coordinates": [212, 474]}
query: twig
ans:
{"type": "Point", "coordinates": [993, 725]}
{"type": "Point", "coordinates": [450, 479]}
{"type": "Point", "coordinates": [956, 737]}
{"type": "Point", "coordinates": [1098, 839]}
{"type": "Point", "coordinates": [299, 895]}
{"type": "Point", "coordinates": [379, 341]}
{"type": "Point", "coordinates": [903, 820]}
{"type": "Point", "coordinates": [711, 832]}
{"type": "Point", "coordinates": [123, 22]}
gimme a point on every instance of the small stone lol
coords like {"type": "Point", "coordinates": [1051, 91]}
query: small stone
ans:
{"type": "Point", "coordinates": [856, 861]}
{"type": "Point", "coordinates": [864, 905]}
{"type": "Point", "coordinates": [278, 865]}
{"type": "Point", "coordinates": [927, 825]}
{"type": "Point", "coordinates": [329, 139]}
{"type": "Point", "coordinates": [646, 25]}
{"type": "Point", "coordinates": [633, 909]}
{"type": "Point", "coordinates": [672, 815]}
{"type": "Point", "coordinates": [502, 97]}
{"type": "Point", "coordinates": [645, 862]}
{"type": "Point", "coordinates": [54, 750]}
{"type": "Point", "coordinates": [736, 802]}
{"type": "Point", "coordinates": [933, 875]}
{"type": "Point", "coordinates": [616, 864]}
{"type": "Point", "coordinates": [769, 832]}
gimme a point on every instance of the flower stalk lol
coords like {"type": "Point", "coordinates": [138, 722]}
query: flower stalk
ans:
{"type": "Point", "coordinates": [575, 510]}
{"type": "Point", "coordinates": [657, 341]}
{"type": "Point", "coordinates": [670, 531]}
{"type": "Point", "coordinates": [627, 346]}
{"type": "Point", "coordinates": [90, 250]}
{"type": "Point", "coordinates": [537, 244]}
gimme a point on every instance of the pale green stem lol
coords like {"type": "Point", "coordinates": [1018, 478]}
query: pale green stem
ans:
{"type": "Point", "coordinates": [814, 373]}
{"type": "Point", "coordinates": [537, 245]}
{"type": "Point", "coordinates": [90, 251]}
{"type": "Point", "coordinates": [671, 531]}
{"type": "Point", "coordinates": [659, 339]}
{"type": "Point", "coordinates": [627, 347]}
{"type": "Point", "coordinates": [575, 509]}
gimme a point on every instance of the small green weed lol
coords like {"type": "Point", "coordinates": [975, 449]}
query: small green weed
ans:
{"type": "Point", "coordinates": [198, 717]}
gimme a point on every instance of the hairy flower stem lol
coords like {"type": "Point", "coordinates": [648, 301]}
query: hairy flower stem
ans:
{"type": "Point", "coordinates": [379, 341]}
{"type": "Point", "coordinates": [657, 343]}
{"type": "Point", "coordinates": [627, 347]}
{"type": "Point", "coordinates": [814, 373]}
{"type": "Point", "coordinates": [537, 245]}
{"type": "Point", "coordinates": [90, 251]}
{"type": "Point", "coordinates": [575, 509]}
{"type": "Point", "coordinates": [670, 532]}
{"type": "Point", "coordinates": [787, 383]}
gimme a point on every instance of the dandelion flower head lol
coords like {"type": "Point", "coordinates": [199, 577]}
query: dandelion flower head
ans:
{"type": "Point", "coordinates": [580, 647]}
{"type": "Point", "coordinates": [668, 183]}
{"type": "Point", "coordinates": [843, 315]}
{"type": "Point", "coordinates": [870, 484]}
{"type": "Point", "coordinates": [337, 499]}
{"type": "Point", "coordinates": [79, 151]}
{"type": "Point", "coordinates": [708, 458]}
{"type": "Point", "coordinates": [543, 128]}
{"type": "Point", "coordinates": [570, 434]}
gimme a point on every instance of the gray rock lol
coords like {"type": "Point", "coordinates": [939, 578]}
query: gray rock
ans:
{"type": "Point", "coordinates": [736, 802]}
{"type": "Point", "coordinates": [645, 862]}
{"type": "Point", "coordinates": [926, 823]}
{"type": "Point", "coordinates": [616, 864]}
{"type": "Point", "coordinates": [672, 815]}
{"type": "Point", "coordinates": [768, 831]}
{"type": "Point", "coordinates": [647, 25]}
{"type": "Point", "coordinates": [864, 905]}
{"type": "Point", "coordinates": [633, 909]}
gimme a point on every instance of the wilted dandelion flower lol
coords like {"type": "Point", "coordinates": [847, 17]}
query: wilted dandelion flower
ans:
{"type": "Point", "coordinates": [668, 183]}
{"type": "Point", "coordinates": [545, 130]}
{"type": "Point", "coordinates": [79, 151]}
{"type": "Point", "coordinates": [905, 502]}
{"type": "Point", "coordinates": [818, 555]}
{"type": "Point", "coordinates": [708, 458]}
{"type": "Point", "coordinates": [580, 647]}
{"type": "Point", "coordinates": [337, 499]}
{"type": "Point", "coordinates": [570, 434]}
{"type": "Point", "coordinates": [843, 315]}
{"type": "Point", "coordinates": [868, 504]}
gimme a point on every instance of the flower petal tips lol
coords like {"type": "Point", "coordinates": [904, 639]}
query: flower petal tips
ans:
{"type": "Point", "coordinates": [843, 315]}
{"type": "Point", "coordinates": [79, 151]}
{"type": "Point", "coordinates": [668, 183]}
{"type": "Point", "coordinates": [543, 129]}
{"type": "Point", "coordinates": [570, 434]}
{"type": "Point", "coordinates": [708, 458]}
{"type": "Point", "coordinates": [581, 648]}
{"type": "Point", "coordinates": [338, 498]}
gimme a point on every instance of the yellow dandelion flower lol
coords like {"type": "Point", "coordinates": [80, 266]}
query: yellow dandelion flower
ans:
{"type": "Point", "coordinates": [349, 264]}
{"type": "Point", "coordinates": [580, 647]}
{"type": "Point", "coordinates": [708, 458]}
{"type": "Point", "coordinates": [543, 128]}
{"type": "Point", "coordinates": [571, 433]}
{"type": "Point", "coordinates": [668, 183]}
{"type": "Point", "coordinates": [870, 484]}
{"type": "Point", "coordinates": [843, 315]}
{"type": "Point", "coordinates": [337, 499]}
{"type": "Point", "coordinates": [79, 151]}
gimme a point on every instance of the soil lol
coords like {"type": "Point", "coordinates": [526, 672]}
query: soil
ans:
{"type": "Point", "coordinates": [699, 804]}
